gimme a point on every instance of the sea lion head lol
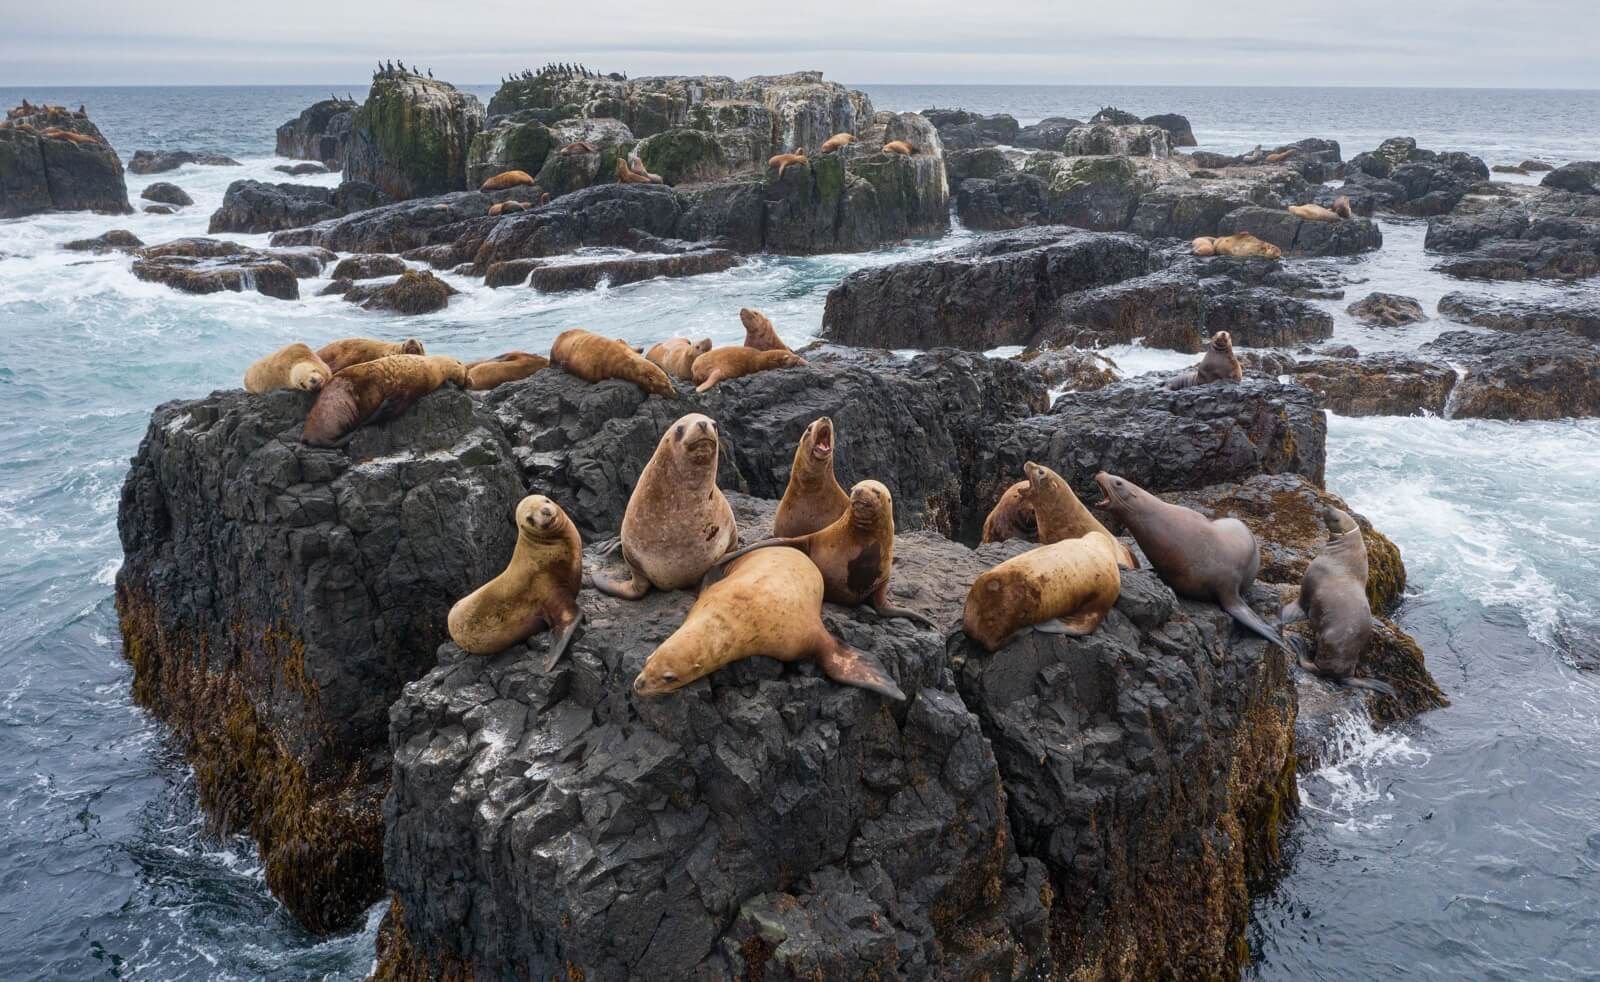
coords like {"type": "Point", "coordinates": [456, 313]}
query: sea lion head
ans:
{"type": "Point", "coordinates": [1040, 478]}
{"type": "Point", "coordinates": [662, 673]}
{"type": "Point", "coordinates": [694, 439]}
{"type": "Point", "coordinates": [1222, 341]}
{"type": "Point", "coordinates": [1337, 521]}
{"type": "Point", "coordinates": [701, 346]}
{"type": "Point", "coordinates": [870, 505]}
{"type": "Point", "coordinates": [411, 346]}
{"type": "Point", "coordinates": [308, 376]}
{"type": "Point", "coordinates": [818, 439]}
{"type": "Point", "coordinates": [539, 518]}
{"type": "Point", "coordinates": [754, 320]}
{"type": "Point", "coordinates": [1121, 495]}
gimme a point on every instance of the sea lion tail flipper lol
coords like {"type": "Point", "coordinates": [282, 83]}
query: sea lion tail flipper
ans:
{"type": "Point", "coordinates": [1301, 649]}
{"type": "Point", "coordinates": [711, 380]}
{"type": "Point", "coordinates": [1076, 626]}
{"type": "Point", "coordinates": [388, 409]}
{"type": "Point", "coordinates": [606, 547]}
{"type": "Point", "coordinates": [560, 639]}
{"type": "Point", "coordinates": [631, 588]}
{"type": "Point", "coordinates": [1371, 685]}
{"type": "Point", "coordinates": [904, 613]}
{"type": "Point", "coordinates": [1241, 612]}
{"type": "Point", "coordinates": [1292, 613]}
{"type": "Point", "coordinates": [1126, 558]}
{"type": "Point", "coordinates": [845, 664]}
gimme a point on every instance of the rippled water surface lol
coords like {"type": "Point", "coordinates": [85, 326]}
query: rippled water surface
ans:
{"type": "Point", "coordinates": [1463, 844]}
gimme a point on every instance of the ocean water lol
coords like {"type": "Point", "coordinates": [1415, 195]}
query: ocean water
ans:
{"type": "Point", "coordinates": [1466, 843]}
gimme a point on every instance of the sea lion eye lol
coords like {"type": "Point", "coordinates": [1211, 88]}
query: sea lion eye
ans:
{"type": "Point", "coordinates": [668, 677]}
{"type": "Point", "coordinates": [680, 432]}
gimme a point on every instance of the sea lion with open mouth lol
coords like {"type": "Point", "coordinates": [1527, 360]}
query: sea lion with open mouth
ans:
{"type": "Point", "coordinates": [813, 499]}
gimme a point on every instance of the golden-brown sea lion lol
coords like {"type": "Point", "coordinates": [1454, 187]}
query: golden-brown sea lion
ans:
{"type": "Point", "coordinates": [1314, 213]}
{"type": "Point", "coordinates": [507, 179]}
{"type": "Point", "coordinates": [759, 332]}
{"type": "Point", "coordinates": [1205, 245]}
{"type": "Point", "coordinates": [343, 353]}
{"type": "Point", "coordinates": [1282, 155]}
{"type": "Point", "coordinates": [1060, 515]}
{"type": "Point", "coordinates": [580, 146]}
{"type": "Point", "coordinates": [72, 136]}
{"type": "Point", "coordinates": [507, 207]}
{"type": "Point", "coordinates": [836, 141]}
{"type": "Point", "coordinates": [1220, 364]}
{"type": "Point", "coordinates": [627, 175]}
{"type": "Point", "coordinates": [676, 356]}
{"type": "Point", "coordinates": [1066, 587]}
{"type": "Point", "coordinates": [1011, 517]}
{"type": "Point", "coordinates": [509, 367]}
{"type": "Point", "coordinates": [1341, 207]}
{"type": "Point", "coordinates": [537, 591]}
{"type": "Point", "coordinates": [1244, 244]}
{"type": "Point", "coordinates": [1333, 594]}
{"type": "Point", "coordinates": [594, 359]}
{"type": "Point", "coordinates": [813, 499]}
{"type": "Point", "coordinates": [374, 392]}
{"type": "Point", "coordinates": [1199, 558]}
{"type": "Point", "coordinates": [855, 552]}
{"type": "Point", "coordinates": [293, 366]}
{"type": "Point", "coordinates": [638, 167]}
{"type": "Point", "coordinates": [677, 523]}
{"type": "Point", "coordinates": [769, 603]}
{"type": "Point", "coordinates": [783, 160]}
{"type": "Point", "coordinates": [737, 361]}
{"type": "Point", "coordinates": [900, 147]}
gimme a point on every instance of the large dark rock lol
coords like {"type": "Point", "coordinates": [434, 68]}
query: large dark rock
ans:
{"type": "Point", "coordinates": [1387, 310]}
{"type": "Point", "coordinates": [962, 130]}
{"type": "Point", "coordinates": [319, 133]}
{"type": "Point", "coordinates": [161, 161]}
{"type": "Point", "coordinates": [255, 206]}
{"type": "Point", "coordinates": [1108, 139]}
{"type": "Point", "coordinates": [167, 194]}
{"type": "Point", "coordinates": [116, 240]}
{"type": "Point", "coordinates": [1382, 384]}
{"type": "Point", "coordinates": [557, 277]}
{"type": "Point", "coordinates": [366, 267]}
{"type": "Point", "coordinates": [411, 136]}
{"type": "Point", "coordinates": [415, 292]}
{"type": "Point", "coordinates": [55, 159]}
{"type": "Point", "coordinates": [1524, 259]}
{"type": "Point", "coordinates": [1179, 132]}
{"type": "Point", "coordinates": [1414, 181]}
{"type": "Point", "coordinates": [400, 226]}
{"type": "Point", "coordinates": [1579, 177]}
{"type": "Point", "coordinates": [1047, 134]}
{"type": "Point", "coordinates": [274, 598]}
{"type": "Point", "coordinates": [1531, 375]}
{"type": "Point", "coordinates": [981, 162]}
{"type": "Point", "coordinates": [1296, 236]}
{"type": "Point", "coordinates": [606, 215]}
{"type": "Point", "coordinates": [1186, 209]}
{"type": "Point", "coordinates": [1503, 314]}
{"type": "Point", "coordinates": [211, 266]}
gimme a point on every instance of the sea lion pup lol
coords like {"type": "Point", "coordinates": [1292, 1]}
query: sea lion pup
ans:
{"type": "Point", "coordinates": [627, 175]}
{"type": "Point", "coordinates": [676, 356]}
{"type": "Point", "coordinates": [580, 146]}
{"type": "Point", "coordinates": [538, 589]}
{"type": "Point", "coordinates": [1314, 213]}
{"type": "Point", "coordinates": [1341, 207]}
{"type": "Point", "coordinates": [1012, 516]}
{"type": "Point", "coordinates": [677, 523]}
{"type": "Point", "coordinates": [1205, 245]}
{"type": "Point", "coordinates": [1199, 558]}
{"type": "Point", "coordinates": [507, 179]}
{"type": "Point", "coordinates": [768, 603]}
{"type": "Point", "coordinates": [737, 361]}
{"type": "Point", "coordinates": [509, 367]}
{"type": "Point", "coordinates": [1060, 515]}
{"type": "Point", "coordinates": [343, 353]}
{"type": "Point", "coordinates": [1333, 595]}
{"type": "Point", "coordinates": [507, 207]}
{"type": "Point", "coordinates": [783, 160]}
{"type": "Point", "coordinates": [594, 359]}
{"type": "Point", "coordinates": [759, 332]}
{"type": "Point", "coordinates": [1065, 587]}
{"type": "Point", "coordinates": [900, 147]}
{"type": "Point", "coordinates": [293, 366]}
{"type": "Point", "coordinates": [375, 392]}
{"type": "Point", "coordinates": [836, 141]}
{"type": "Point", "coordinates": [813, 499]}
{"type": "Point", "coordinates": [1219, 364]}
{"type": "Point", "coordinates": [1244, 244]}
{"type": "Point", "coordinates": [855, 552]}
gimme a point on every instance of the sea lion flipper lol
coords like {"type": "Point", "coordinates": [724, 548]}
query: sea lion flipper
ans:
{"type": "Point", "coordinates": [1292, 613]}
{"type": "Point", "coordinates": [631, 588]}
{"type": "Point", "coordinates": [560, 639]}
{"type": "Point", "coordinates": [1241, 612]}
{"type": "Point", "coordinates": [845, 664]}
{"type": "Point", "coordinates": [1371, 685]}
{"type": "Point", "coordinates": [389, 408]}
{"type": "Point", "coordinates": [730, 556]}
{"type": "Point", "coordinates": [1125, 557]}
{"type": "Point", "coordinates": [1075, 626]}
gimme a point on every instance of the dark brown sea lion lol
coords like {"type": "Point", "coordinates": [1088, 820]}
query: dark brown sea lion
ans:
{"type": "Point", "coordinates": [737, 361]}
{"type": "Point", "coordinates": [594, 359]}
{"type": "Point", "coordinates": [1065, 587]}
{"type": "Point", "coordinates": [509, 367]}
{"type": "Point", "coordinates": [538, 589]}
{"type": "Point", "coordinates": [507, 179]}
{"type": "Point", "coordinates": [374, 392]}
{"type": "Point", "coordinates": [1197, 557]}
{"type": "Point", "coordinates": [676, 356]}
{"type": "Point", "coordinates": [759, 332]}
{"type": "Point", "coordinates": [1220, 364]}
{"type": "Point", "coordinates": [293, 366]}
{"type": "Point", "coordinates": [813, 499]}
{"type": "Point", "coordinates": [1012, 517]}
{"type": "Point", "coordinates": [1341, 207]}
{"type": "Point", "coordinates": [783, 160]}
{"type": "Point", "coordinates": [768, 603]}
{"type": "Point", "coordinates": [1333, 595]}
{"type": "Point", "coordinates": [1059, 514]}
{"type": "Point", "coordinates": [339, 355]}
{"type": "Point", "coordinates": [836, 141]}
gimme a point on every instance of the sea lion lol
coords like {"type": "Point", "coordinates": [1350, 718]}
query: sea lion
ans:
{"type": "Point", "coordinates": [836, 141]}
{"type": "Point", "coordinates": [638, 167]}
{"type": "Point", "coordinates": [1282, 155]}
{"type": "Point", "coordinates": [594, 359]}
{"type": "Point", "coordinates": [1060, 515]}
{"type": "Point", "coordinates": [506, 207]}
{"type": "Point", "coordinates": [676, 356]}
{"type": "Point", "coordinates": [341, 354]}
{"type": "Point", "coordinates": [72, 136]}
{"type": "Point", "coordinates": [538, 589]}
{"type": "Point", "coordinates": [813, 499]}
{"type": "Point", "coordinates": [1065, 587]}
{"type": "Point", "coordinates": [1205, 245]}
{"type": "Point", "coordinates": [1199, 558]}
{"type": "Point", "coordinates": [855, 552]}
{"type": "Point", "coordinates": [1243, 244]}
{"type": "Point", "coordinates": [783, 160]}
{"type": "Point", "coordinates": [1341, 207]}
{"type": "Point", "coordinates": [374, 392]}
{"type": "Point", "coordinates": [1219, 364]}
{"type": "Point", "coordinates": [737, 361]}
{"type": "Point", "coordinates": [677, 523]}
{"type": "Point", "coordinates": [293, 366]}
{"type": "Point", "coordinates": [627, 175]}
{"type": "Point", "coordinates": [1333, 595]}
{"type": "Point", "coordinates": [900, 147]}
{"type": "Point", "coordinates": [507, 179]}
{"type": "Point", "coordinates": [1012, 516]}
{"type": "Point", "coordinates": [759, 332]}
{"type": "Point", "coordinates": [1314, 213]}
{"type": "Point", "coordinates": [509, 367]}
{"type": "Point", "coordinates": [768, 603]}
{"type": "Point", "coordinates": [580, 146]}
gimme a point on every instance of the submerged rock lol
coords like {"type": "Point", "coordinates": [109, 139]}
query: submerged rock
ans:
{"type": "Point", "coordinates": [415, 292]}
{"type": "Point", "coordinates": [116, 240]}
{"type": "Point", "coordinates": [366, 267]}
{"type": "Point", "coordinates": [54, 159]}
{"type": "Point", "coordinates": [300, 170]}
{"type": "Point", "coordinates": [161, 161]}
{"type": "Point", "coordinates": [167, 194]}
{"type": "Point", "coordinates": [1579, 177]}
{"type": "Point", "coordinates": [197, 265]}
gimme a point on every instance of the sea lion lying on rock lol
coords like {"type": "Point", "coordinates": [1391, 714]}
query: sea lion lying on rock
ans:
{"type": "Point", "coordinates": [373, 392]}
{"type": "Point", "coordinates": [1220, 364]}
{"type": "Point", "coordinates": [759, 332]}
{"type": "Point", "coordinates": [293, 366]}
{"type": "Point", "coordinates": [783, 160]}
{"type": "Point", "coordinates": [1314, 213]}
{"type": "Point", "coordinates": [538, 589]}
{"type": "Point", "coordinates": [507, 207]}
{"type": "Point", "coordinates": [638, 167]}
{"type": "Point", "coordinates": [627, 175]}
{"type": "Point", "coordinates": [737, 361]}
{"type": "Point", "coordinates": [676, 356]}
{"type": "Point", "coordinates": [341, 354]}
{"type": "Point", "coordinates": [1333, 595]}
{"type": "Point", "coordinates": [900, 147]}
{"type": "Point", "coordinates": [509, 367]}
{"type": "Point", "coordinates": [837, 141]}
{"type": "Point", "coordinates": [507, 179]}
{"type": "Point", "coordinates": [1066, 587]}
{"type": "Point", "coordinates": [812, 499]}
{"type": "Point", "coordinates": [594, 359]}
{"type": "Point", "coordinates": [1240, 244]}
{"type": "Point", "coordinates": [1282, 155]}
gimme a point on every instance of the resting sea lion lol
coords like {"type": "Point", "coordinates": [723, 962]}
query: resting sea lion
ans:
{"type": "Point", "coordinates": [594, 359]}
{"type": "Point", "coordinates": [1341, 207]}
{"type": "Point", "coordinates": [627, 175]}
{"type": "Point", "coordinates": [638, 167]}
{"type": "Point", "coordinates": [57, 133]}
{"type": "Point", "coordinates": [1065, 587]}
{"type": "Point", "coordinates": [759, 332]}
{"type": "Point", "coordinates": [508, 367]}
{"type": "Point", "coordinates": [1060, 515]}
{"type": "Point", "coordinates": [507, 179]}
{"type": "Point", "coordinates": [1333, 594]}
{"type": "Point", "coordinates": [1314, 213]}
{"type": "Point", "coordinates": [293, 366]}
{"type": "Point", "coordinates": [676, 356]}
{"type": "Point", "coordinates": [506, 207]}
{"type": "Point", "coordinates": [581, 146]}
{"type": "Point", "coordinates": [769, 603]}
{"type": "Point", "coordinates": [813, 498]}
{"type": "Point", "coordinates": [538, 589]}
{"type": "Point", "coordinates": [340, 355]}
{"type": "Point", "coordinates": [783, 160]}
{"type": "Point", "coordinates": [1205, 245]}
{"type": "Point", "coordinates": [737, 361]}
{"type": "Point", "coordinates": [1012, 516]}
{"type": "Point", "coordinates": [836, 141]}
{"type": "Point", "coordinates": [900, 147]}
{"type": "Point", "coordinates": [1282, 155]}
{"type": "Point", "coordinates": [374, 392]}
{"type": "Point", "coordinates": [1244, 244]}
{"type": "Point", "coordinates": [677, 523]}
{"type": "Point", "coordinates": [1199, 558]}
{"type": "Point", "coordinates": [1220, 364]}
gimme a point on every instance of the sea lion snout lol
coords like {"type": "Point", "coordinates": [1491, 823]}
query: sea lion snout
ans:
{"type": "Point", "coordinates": [1112, 487]}
{"type": "Point", "coordinates": [822, 438]}
{"type": "Point", "coordinates": [538, 513]}
{"type": "Point", "coordinates": [698, 436]}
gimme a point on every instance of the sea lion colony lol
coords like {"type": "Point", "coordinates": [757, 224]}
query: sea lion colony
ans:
{"type": "Point", "coordinates": [679, 532]}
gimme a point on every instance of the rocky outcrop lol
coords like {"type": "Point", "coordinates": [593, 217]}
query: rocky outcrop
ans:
{"type": "Point", "coordinates": [1503, 314]}
{"type": "Point", "coordinates": [116, 240]}
{"type": "Point", "coordinates": [300, 170]}
{"type": "Point", "coordinates": [1414, 181]}
{"type": "Point", "coordinates": [410, 138]}
{"type": "Point", "coordinates": [509, 143]}
{"type": "Point", "coordinates": [1532, 375]}
{"type": "Point", "coordinates": [563, 173]}
{"type": "Point", "coordinates": [1387, 310]}
{"type": "Point", "coordinates": [167, 194]}
{"type": "Point", "coordinates": [321, 132]}
{"type": "Point", "coordinates": [213, 265]}
{"type": "Point", "coordinates": [403, 225]}
{"type": "Point", "coordinates": [1103, 139]}
{"type": "Point", "coordinates": [1179, 132]}
{"type": "Point", "coordinates": [161, 161]}
{"type": "Point", "coordinates": [1297, 236]}
{"type": "Point", "coordinates": [558, 277]}
{"type": "Point", "coordinates": [1540, 234]}
{"type": "Point", "coordinates": [963, 130]}
{"type": "Point", "coordinates": [686, 156]}
{"type": "Point", "coordinates": [1579, 177]}
{"type": "Point", "coordinates": [367, 267]}
{"type": "Point", "coordinates": [1383, 384]}
{"type": "Point", "coordinates": [54, 159]}
{"type": "Point", "coordinates": [415, 292]}
{"type": "Point", "coordinates": [253, 207]}
{"type": "Point", "coordinates": [1049, 133]}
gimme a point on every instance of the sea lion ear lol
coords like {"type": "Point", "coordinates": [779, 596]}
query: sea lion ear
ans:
{"type": "Point", "coordinates": [845, 664]}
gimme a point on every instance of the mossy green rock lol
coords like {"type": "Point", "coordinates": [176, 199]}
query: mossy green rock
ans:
{"type": "Point", "coordinates": [411, 136]}
{"type": "Point", "coordinates": [684, 156]}
{"type": "Point", "coordinates": [520, 146]}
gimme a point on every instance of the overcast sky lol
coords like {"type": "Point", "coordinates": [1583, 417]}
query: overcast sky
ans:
{"type": "Point", "coordinates": [1520, 43]}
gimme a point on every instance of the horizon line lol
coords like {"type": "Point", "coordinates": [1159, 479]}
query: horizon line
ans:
{"type": "Point", "coordinates": [953, 85]}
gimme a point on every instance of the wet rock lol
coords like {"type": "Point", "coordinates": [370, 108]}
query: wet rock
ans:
{"type": "Point", "coordinates": [211, 266]}
{"type": "Point", "coordinates": [1536, 165]}
{"type": "Point", "coordinates": [981, 162]}
{"type": "Point", "coordinates": [599, 216]}
{"type": "Point", "coordinates": [1184, 210]}
{"type": "Point", "coordinates": [410, 137]}
{"type": "Point", "coordinates": [1071, 369]}
{"type": "Point", "coordinates": [321, 133]}
{"type": "Point", "coordinates": [1049, 133]}
{"type": "Point", "coordinates": [556, 277]}
{"type": "Point", "coordinates": [1507, 169]}
{"type": "Point", "coordinates": [1387, 310]}
{"type": "Point", "coordinates": [255, 206]}
{"type": "Point", "coordinates": [1579, 177]}
{"type": "Point", "coordinates": [1103, 139]}
{"type": "Point", "coordinates": [563, 173]}
{"type": "Point", "coordinates": [963, 130]}
{"type": "Point", "coordinates": [415, 292]}
{"type": "Point", "coordinates": [1504, 314]}
{"type": "Point", "coordinates": [685, 156]}
{"type": "Point", "coordinates": [1522, 259]}
{"type": "Point", "coordinates": [161, 161]}
{"type": "Point", "coordinates": [160, 210]}
{"type": "Point", "coordinates": [1532, 375]}
{"type": "Point", "coordinates": [1097, 193]}
{"type": "Point", "coordinates": [336, 288]}
{"type": "Point", "coordinates": [116, 240]}
{"type": "Point", "coordinates": [400, 226]}
{"type": "Point", "coordinates": [368, 267]}
{"type": "Point", "coordinates": [1383, 384]}
{"type": "Point", "coordinates": [509, 143]}
{"type": "Point", "coordinates": [1179, 132]}
{"type": "Point", "coordinates": [300, 170]}
{"type": "Point", "coordinates": [167, 194]}
{"type": "Point", "coordinates": [1412, 180]}
{"type": "Point", "coordinates": [55, 159]}
{"type": "Point", "coordinates": [1296, 236]}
